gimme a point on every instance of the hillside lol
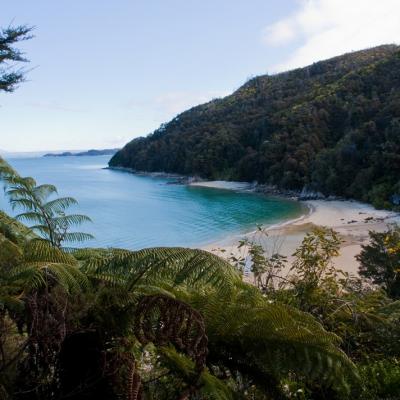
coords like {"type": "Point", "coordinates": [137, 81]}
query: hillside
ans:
{"type": "Point", "coordinates": [333, 126]}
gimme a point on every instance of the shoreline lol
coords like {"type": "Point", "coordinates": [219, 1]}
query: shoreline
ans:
{"type": "Point", "coordinates": [352, 220]}
{"type": "Point", "coordinates": [149, 174]}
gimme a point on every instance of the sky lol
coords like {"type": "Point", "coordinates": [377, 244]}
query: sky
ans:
{"type": "Point", "coordinates": [102, 72]}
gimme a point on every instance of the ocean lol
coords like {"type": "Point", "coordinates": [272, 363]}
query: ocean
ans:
{"type": "Point", "coordinates": [132, 212]}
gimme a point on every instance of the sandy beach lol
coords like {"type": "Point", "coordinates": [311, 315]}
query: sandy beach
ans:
{"type": "Point", "coordinates": [351, 219]}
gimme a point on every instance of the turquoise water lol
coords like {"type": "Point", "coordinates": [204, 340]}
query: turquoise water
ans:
{"type": "Point", "coordinates": [132, 212]}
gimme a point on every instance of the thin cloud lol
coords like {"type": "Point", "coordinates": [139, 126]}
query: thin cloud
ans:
{"type": "Point", "coordinates": [280, 33]}
{"type": "Point", "coordinates": [326, 28]}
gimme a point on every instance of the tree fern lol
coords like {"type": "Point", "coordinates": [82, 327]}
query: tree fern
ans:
{"type": "Point", "coordinates": [248, 332]}
{"type": "Point", "coordinates": [176, 266]}
{"type": "Point", "coordinates": [39, 264]}
{"type": "Point", "coordinates": [47, 214]}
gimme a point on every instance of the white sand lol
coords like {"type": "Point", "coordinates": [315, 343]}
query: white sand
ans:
{"type": "Point", "coordinates": [352, 220]}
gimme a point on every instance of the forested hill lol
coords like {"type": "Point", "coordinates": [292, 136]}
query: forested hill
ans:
{"type": "Point", "coordinates": [333, 126]}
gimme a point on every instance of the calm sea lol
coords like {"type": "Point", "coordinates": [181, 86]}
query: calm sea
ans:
{"type": "Point", "coordinates": [132, 212]}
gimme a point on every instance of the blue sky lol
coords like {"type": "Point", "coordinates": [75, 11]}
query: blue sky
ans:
{"type": "Point", "coordinates": [103, 72]}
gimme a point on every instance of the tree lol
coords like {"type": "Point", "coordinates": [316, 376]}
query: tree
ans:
{"type": "Point", "coordinates": [380, 260]}
{"type": "Point", "coordinates": [140, 308]}
{"type": "Point", "coordinates": [10, 75]}
{"type": "Point", "coordinates": [261, 342]}
{"type": "Point", "coordinates": [325, 130]}
{"type": "Point", "coordinates": [315, 280]}
{"type": "Point", "coordinates": [313, 260]}
{"type": "Point", "coordinates": [181, 313]}
{"type": "Point", "coordinates": [266, 263]}
{"type": "Point", "coordinates": [40, 206]}
{"type": "Point", "coordinates": [36, 282]}
{"type": "Point", "coordinates": [36, 276]}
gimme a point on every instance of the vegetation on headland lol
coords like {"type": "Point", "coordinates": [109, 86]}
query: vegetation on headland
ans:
{"type": "Point", "coordinates": [332, 127]}
{"type": "Point", "coordinates": [104, 152]}
{"type": "Point", "coordinates": [179, 323]}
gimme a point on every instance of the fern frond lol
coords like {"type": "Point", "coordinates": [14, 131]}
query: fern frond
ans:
{"type": "Point", "coordinates": [42, 230]}
{"type": "Point", "coordinates": [22, 190]}
{"type": "Point", "coordinates": [28, 277]}
{"type": "Point", "coordinates": [40, 250]}
{"type": "Point", "coordinates": [10, 227]}
{"type": "Point", "coordinates": [60, 204]}
{"type": "Point", "coordinates": [42, 192]}
{"type": "Point", "coordinates": [26, 204]}
{"type": "Point", "coordinates": [10, 253]}
{"type": "Point", "coordinates": [6, 169]}
{"type": "Point", "coordinates": [36, 275]}
{"type": "Point", "coordinates": [247, 330]}
{"type": "Point", "coordinates": [77, 237]}
{"type": "Point", "coordinates": [151, 266]}
{"type": "Point", "coordinates": [71, 219]}
{"type": "Point", "coordinates": [31, 216]}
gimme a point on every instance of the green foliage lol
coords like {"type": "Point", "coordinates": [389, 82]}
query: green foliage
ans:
{"type": "Point", "coordinates": [380, 260]}
{"type": "Point", "coordinates": [36, 281]}
{"type": "Point", "coordinates": [333, 126]}
{"type": "Point", "coordinates": [313, 258]}
{"type": "Point", "coordinates": [266, 266]}
{"type": "Point", "coordinates": [380, 379]}
{"type": "Point", "coordinates": [36, 265]}
{"type": "Point", "coordinates": [175, 266]}
{"type": "Point", "coordinates": [366, 319]}
{"type": "Point", "coordinates": [247, 333]}
{"type": "Point", "coordinates": [210, 387]}
{"type": "Point", "coordinates": [300, 339]}
{"type": "Point", "coordinates": [241, 324]}
{"type": "Point", "coordinates": [14, 230]}
{"type": "Point", "coordinates": [10, 77]}
{"type": "Point", "coordinates": [41, 208]}
{"type": "Point", "coordinates": [262, 339]}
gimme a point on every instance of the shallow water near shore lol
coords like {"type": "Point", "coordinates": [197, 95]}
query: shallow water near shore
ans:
{"type": "Point", "coordinates": [132, 212]}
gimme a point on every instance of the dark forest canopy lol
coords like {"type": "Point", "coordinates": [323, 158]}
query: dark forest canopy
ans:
{"type": "Point", "coordinates": [333, 126]}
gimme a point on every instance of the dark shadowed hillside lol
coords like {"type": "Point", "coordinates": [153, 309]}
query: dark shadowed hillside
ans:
{"type": "Point", "coordinates": [333, 126]}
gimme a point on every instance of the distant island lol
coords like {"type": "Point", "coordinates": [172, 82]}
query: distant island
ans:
{"type": "Point", "coordinates": [92, 152]}
{"type": "Point", "coordinates": [332, 128]}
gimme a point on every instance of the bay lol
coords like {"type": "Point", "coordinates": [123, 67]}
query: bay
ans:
{"type": "Point", "coordinates": [132, 212]}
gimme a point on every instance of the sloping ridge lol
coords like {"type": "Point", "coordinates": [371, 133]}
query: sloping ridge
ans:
{"type": "Point", "coordinates": [333, 126]}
